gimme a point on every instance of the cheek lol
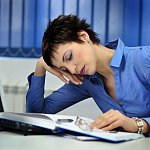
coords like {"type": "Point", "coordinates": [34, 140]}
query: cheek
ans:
{"type": "Point", "coordinates": [82, 58]}
{"type": "Point", "coordinates": [79, 56]}
{"type": "Point", "coordinates": [83, 54]}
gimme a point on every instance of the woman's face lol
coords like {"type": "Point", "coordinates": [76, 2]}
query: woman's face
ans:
{"type": "Point", "coordinates": [77, 58]}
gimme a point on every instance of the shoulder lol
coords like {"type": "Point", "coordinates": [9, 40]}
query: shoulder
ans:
{"type": "Point", "coordinates": [142, 57]}
{"type": "Point", "coordinates": [137, 56]}
{"type": "Point", "coordinates": [142, 61]}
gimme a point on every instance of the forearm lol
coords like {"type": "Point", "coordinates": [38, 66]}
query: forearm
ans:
{"type": "Point", "coordinates": [34, 103]}
{"type": "Point", "coordinates": [35, 93]}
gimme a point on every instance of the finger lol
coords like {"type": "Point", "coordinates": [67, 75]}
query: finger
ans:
{"type": "Point", "coordinates": [106, 115]}
{"type": "Point", "coordinates": [71, 77]}
{"type": "Point", "coordinates": [61, 77]}
{"type": "Point", "coordinates": [105, 121]}
{"type": "Point", "coordinates": [74, 80]}
{"type": "Point", "coordinates": [81, 78]}
{"type": "Point", "coordinates": [77, 79]}
{"type": "Point", "coordinates": [112, 126]}
{"type": "Point", "coordinates": [102, 117]}
{"type": "Point", "coordinates": [58, 74]}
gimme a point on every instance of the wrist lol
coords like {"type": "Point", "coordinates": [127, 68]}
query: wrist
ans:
{"type": "Point", "coordinates": [141, 125]}
{"type": "Point", "coordinates": [40, 70]}
{"type": "Point", "coordinates": [146, 127]}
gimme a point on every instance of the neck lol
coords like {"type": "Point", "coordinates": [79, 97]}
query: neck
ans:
{"type": "Point", "coordinates": [104, 56]}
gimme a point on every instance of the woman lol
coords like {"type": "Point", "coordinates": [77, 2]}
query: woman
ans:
{"type": "Point", "coordinates": [115, 76]}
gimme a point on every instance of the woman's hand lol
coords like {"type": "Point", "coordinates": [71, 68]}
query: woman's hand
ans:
{"type": "Point", "coordinates": [42, 67]}
{"type": "Point", "coordinates": [113, 119]}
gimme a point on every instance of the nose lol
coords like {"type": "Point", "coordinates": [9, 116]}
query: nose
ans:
{"type": "Point", "coordinates": [72, 69]}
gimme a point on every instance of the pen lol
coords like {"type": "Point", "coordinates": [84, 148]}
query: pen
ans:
{"type": "Point", "coordinates": [64, 120]}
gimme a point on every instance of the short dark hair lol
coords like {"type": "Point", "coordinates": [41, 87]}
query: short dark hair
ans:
{"type": "Point", "coordinates": [62, 30]}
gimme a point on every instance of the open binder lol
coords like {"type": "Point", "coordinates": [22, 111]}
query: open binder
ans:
{"type": "Point", "coordinates": [58, 124]}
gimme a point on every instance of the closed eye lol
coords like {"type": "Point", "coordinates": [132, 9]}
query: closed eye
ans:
{"type": "Point", "coordinates": [68, 55]}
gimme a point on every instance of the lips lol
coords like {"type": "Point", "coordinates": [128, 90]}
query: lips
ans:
{"type": "Point", "coordinates": [82, 71]}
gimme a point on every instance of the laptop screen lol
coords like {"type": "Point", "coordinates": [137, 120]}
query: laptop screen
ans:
{"type": "Point", "coordinates": [1, 105]}
{"type": "Point", "coordinates": [1, 98]}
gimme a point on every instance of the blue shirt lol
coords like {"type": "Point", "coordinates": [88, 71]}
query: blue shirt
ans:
{"type": "Point", "coordinates": [131, 68]}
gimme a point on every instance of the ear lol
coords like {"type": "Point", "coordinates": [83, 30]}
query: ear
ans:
{"type": "Point", "coordinates": [83, 36]}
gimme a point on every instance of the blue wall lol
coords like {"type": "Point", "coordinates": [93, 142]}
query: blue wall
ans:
{"type": "Point", "coordinates": [22, 22]}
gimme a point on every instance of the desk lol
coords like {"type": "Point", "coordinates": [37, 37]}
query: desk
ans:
{"type": "Point", "coordinates": [12, 141]}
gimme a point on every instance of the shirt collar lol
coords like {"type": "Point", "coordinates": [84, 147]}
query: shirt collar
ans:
{"type": "Point", "coordinates": [118, 45]}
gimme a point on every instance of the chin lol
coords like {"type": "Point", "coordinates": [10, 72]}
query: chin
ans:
{"type": "Point", "coordinates": [91, 73]}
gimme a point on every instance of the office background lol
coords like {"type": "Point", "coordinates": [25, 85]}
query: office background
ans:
{"type": "Point", "coordinates": [22, 23]}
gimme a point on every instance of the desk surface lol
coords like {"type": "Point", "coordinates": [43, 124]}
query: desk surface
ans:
{"type": "Point", "coordinates": [12, 141]}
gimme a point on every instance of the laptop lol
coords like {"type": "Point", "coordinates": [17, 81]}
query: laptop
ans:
{"type": "Point", "coordinates": [1, 106]}
{"type": "Point", "coordinates": [1, 95]}
{"type": "Point", "coordinates": [15, 126]}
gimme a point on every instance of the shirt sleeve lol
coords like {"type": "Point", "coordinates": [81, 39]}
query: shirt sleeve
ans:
{"type": "Point", "coordinates": [147, 65]}
{"type": "Point", "coordinates": [143, 68]}
{"type": "Point", "coordinates": [60, 99]}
